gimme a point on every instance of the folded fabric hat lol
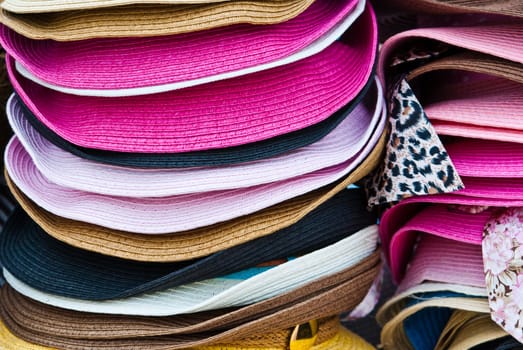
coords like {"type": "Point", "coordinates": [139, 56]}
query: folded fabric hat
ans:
{"type": "Point", "coordinates": [194, 243]}
{"type": "Point", "coordinates": [166, 214]}
{"type": "Point", "coordinates": [52, 320]}
{"type": "Point", "coordinates": [215, 157]}
{"type": "Point", "coordinates": [324, 337]}
{"type": "Point", "coordinates": [482, 100]}
{"type": "Point", "coordinates": [102, 331]}
{"type": "Point", "coordinates": [228, 291]}
{"type": "Point", "coordinates": [507, 7]}
{"type": "Point", "coordinates": [88, 19]}
{"type": "Point", "coordinates": [67, 170]}
{"type": "Point", "coordinates": [167, 62]}
{"type": "Point", "coordinates": [336, 219]}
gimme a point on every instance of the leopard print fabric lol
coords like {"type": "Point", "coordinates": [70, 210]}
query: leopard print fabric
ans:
{"type": "Point", "coordinates": [416, 162]}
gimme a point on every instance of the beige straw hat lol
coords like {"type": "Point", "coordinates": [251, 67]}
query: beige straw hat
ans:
{"type": "Point", "coordinates": [77, 22]}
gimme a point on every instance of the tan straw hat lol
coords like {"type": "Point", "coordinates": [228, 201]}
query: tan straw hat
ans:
{"type": "Point", "coordinates": [140, 19]}
{"type": "Point", "coordinates": [466, 329]}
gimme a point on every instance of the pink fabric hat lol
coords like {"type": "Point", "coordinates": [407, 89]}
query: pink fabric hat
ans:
{"type": "Point", "coordinates": [68, 170]}
{"type": "Point", "coordinates": [247, 109]}
{"type": "Point", "coordinates": [167, 214]}
{"type": "Point", "coordinates": [463, 263]}
{"type": "Point", "coordinates": [501, 40]}
{"type": "Point", "coordinates": [156, 64]}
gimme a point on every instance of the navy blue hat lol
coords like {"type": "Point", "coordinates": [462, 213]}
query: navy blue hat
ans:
{"type": "Point", "coordinates": [52, 266]}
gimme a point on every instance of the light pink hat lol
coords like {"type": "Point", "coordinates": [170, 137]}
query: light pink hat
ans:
{"type": "Point", "coordinates": [478, 106]}
{"type": "Point", "coordinates": [136, 66]}
{"type": "Point", "coordinates": [68, 170]}
{"type": "Point", "coordinates": [501, 40]}
{"type": "Point", "coordinates": [223, 114]}
{"type": "Point", "coordinates": [443, 260]}
{"type": "Point", "coordinates": [167, 214]}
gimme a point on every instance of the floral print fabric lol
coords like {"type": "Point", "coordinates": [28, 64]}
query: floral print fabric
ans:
{"type": "Point", "coordinates": [502, 249]}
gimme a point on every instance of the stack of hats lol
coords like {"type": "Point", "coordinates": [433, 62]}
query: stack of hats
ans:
{"type": "Point", "coordinates": [454, 171]}
{"type": "Point", "coordinates": [182, 172]}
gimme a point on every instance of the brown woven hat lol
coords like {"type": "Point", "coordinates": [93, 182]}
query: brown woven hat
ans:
{"type": "Point", "coordinates": [327, 335]}
{"type": "Point", "coordinates": [506, 7]}
{"type": "Point", "coordinates": [141, 19]}
{"type": "Point", "coordinates": [316, 298]}
{"type": "Point", "coordinates": [193, 243]}
{"type": "Point", "coordinates": [50, 326]}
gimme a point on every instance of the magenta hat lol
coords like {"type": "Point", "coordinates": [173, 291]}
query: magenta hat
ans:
{"type": "Point", "coordinates": [68, 170]}
{"type": "Point", "coordinates": [173, 213]}
{"type": "Point", "coordinates": [486, 158]}
{"type": "Point", "coordinates": [501, 40]}
{"type": "Point", "coordinates": [479, 192]}
{"type": "Point", "coordinates": [136, 66]}
{"type": "Point", "coordinates": [223, 114]}
{"type": "Point", "coordinates": [450, 224]}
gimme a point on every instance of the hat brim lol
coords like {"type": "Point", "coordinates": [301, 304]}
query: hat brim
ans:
{"type": "Point", "coordinates": [489, 39]}
{"type": "Point", "coordinates": [256, 151]}
{"type": "Point", "coordinates": [223, 292]}
{"type": "Point", "coordinates": [339, 145]}
{"type": "Point", "coordinates": [246, 49]}
{"type": "Point", "coordinates": [194, 243]}
{"type": "Point", "coordinates": [334, 220]}
{"type": "Point", "coordinates": [449, 7]}
{"type": "Point", "coordinates": [495, 192]}
{"type": "Point", "coordinates": [51, 320]}
{"type": "Point", "coordinates": [456, 257]}
{"type": "Point", "coordinates": [145, 19]}
{"type": "Point", "coordinates": [171, 214]}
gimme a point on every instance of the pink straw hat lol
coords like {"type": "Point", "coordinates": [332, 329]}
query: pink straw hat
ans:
{"type": "Point", "coordinates": [486, 158]}
{"type": "Point", "coordinates": [173, 213]}
{"type": "Point", "coordinates": [492, 173]}
{"type": "Point", "coordinates": [501, 40]}
{"type": "Point", "coordinates": [68, 170]}
{"type": "Point", "coordinates": [463, 263]}
{"type": "Point", "coordinates": [247, 109]}
{"type": "Point", "coordinates": [438, 220]}
{"type": "Point", "coordinates": [473, 95]}
{"type": "Point", "coordinates": [156, 64]}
